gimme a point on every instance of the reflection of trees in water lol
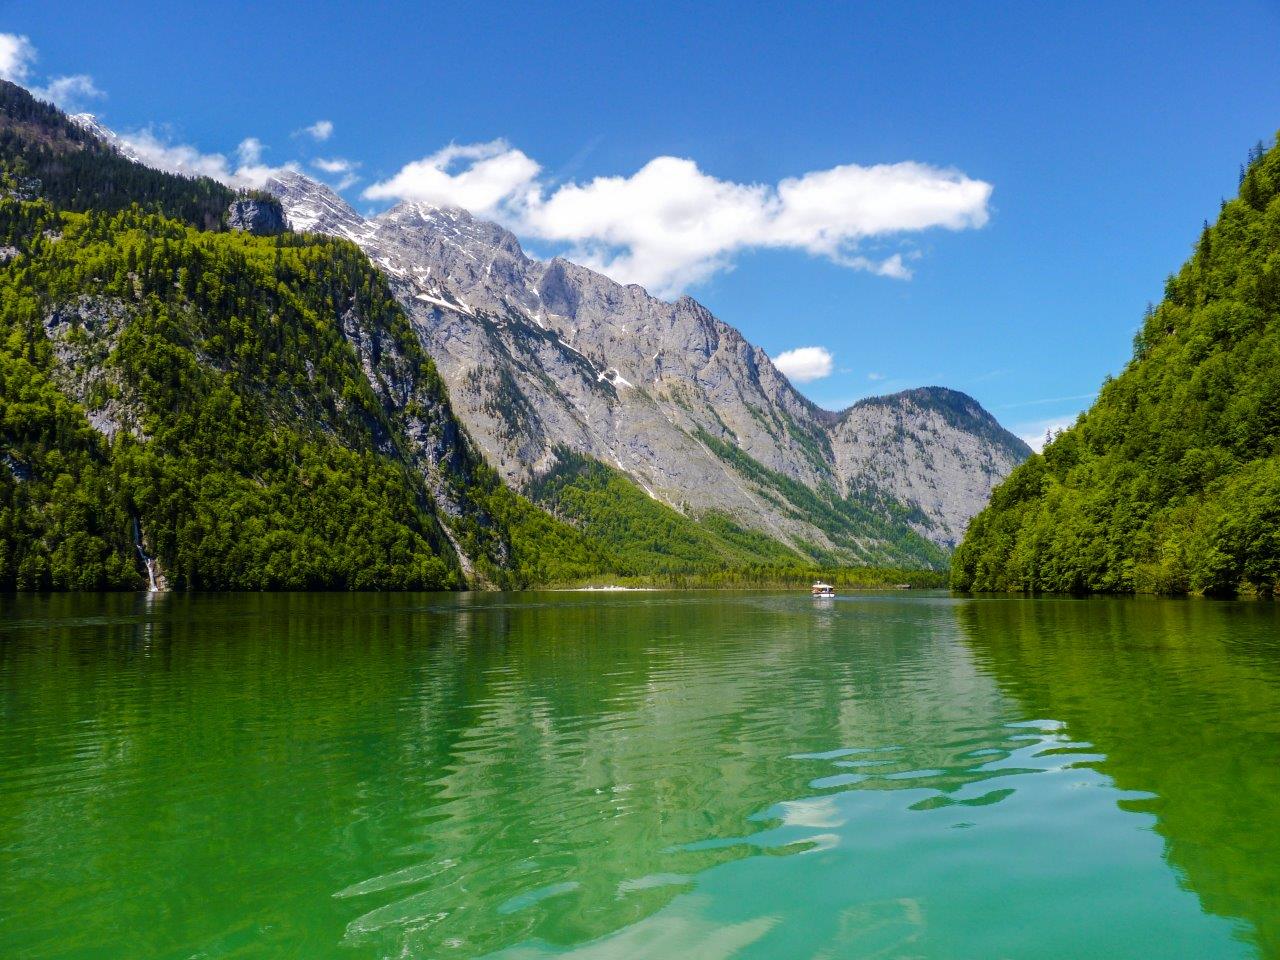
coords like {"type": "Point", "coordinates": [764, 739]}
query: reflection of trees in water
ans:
{"type": "Point", "coordinates": [1183, 700]}
{"type": "Point", "coordinates": [415, 774]}
{"type": "Point", "coordinates": [435, 760]}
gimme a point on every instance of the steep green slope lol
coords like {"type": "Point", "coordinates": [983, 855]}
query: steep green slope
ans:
{"type": "Point", "coordinates": [864, 528]}
{"type": "Point", "coordinates": [1171, 481]}
{"type": "Point", "coordinates": [54, 158]}
{"type": "Point", "coordinates": [235, 422]}
{"type": "Point", "coordinates": [646, 536]}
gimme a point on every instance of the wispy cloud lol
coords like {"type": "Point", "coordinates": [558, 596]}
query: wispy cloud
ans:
{"type": "Point", "coordinates": [320, 131]}
{"type": "Point", "coordinates": [157, 149]}
{"type": "Point", "coordinates": [1047, 400]}
{"type": "Point", "coordinates": [16, 57]}
{"type": "Point", "coordinates": [70, 92]}
{"type": "Point", "coordinates": [988, 375]}
{"type": "Point", "coordinates": [670, 225]}
{"type": "Point", "coordinates": [485, 178]}
{"type": "Point", "coordinates": [1033, 431]}
{"type": "Point", "coordinates": [805, 364]}
{"type": "Point", "coordinates": [340, 167]}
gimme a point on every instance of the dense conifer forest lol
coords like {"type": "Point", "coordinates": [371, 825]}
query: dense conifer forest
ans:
{"type": "Point", "coordinates": [199, 349]}
{"type": "Point", "coordinates": [1170, 482]}
{"type": "Point", "coordinates": [52, 157]}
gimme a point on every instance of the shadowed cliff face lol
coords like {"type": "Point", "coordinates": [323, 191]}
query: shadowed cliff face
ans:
{"type": "Point", "coordinates": [545, 355]}
{"type": "Point", "coordinates": [1178, 699]}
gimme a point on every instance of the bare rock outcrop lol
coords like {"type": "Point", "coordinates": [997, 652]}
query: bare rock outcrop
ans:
{"type": "Point", "coordinates": [261, 217]}
{"type": "Point", "coordinates": [544, 355]}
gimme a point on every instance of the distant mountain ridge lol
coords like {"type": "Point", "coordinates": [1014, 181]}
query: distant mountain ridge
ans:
{"type": "Point", "coordinates": [546, 356]}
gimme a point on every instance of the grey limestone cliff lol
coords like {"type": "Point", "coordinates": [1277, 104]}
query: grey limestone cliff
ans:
{"type": "Point", "coordinates": [262, 218]}
{"type": "Point", "coordinates": [543, 355]}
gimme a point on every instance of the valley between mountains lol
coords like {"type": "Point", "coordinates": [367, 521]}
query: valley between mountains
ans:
{"type": "Point", "coordinates": [269, 390]}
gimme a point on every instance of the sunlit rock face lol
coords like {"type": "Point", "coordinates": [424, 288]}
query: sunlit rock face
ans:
{"type": "Point", "coordinates": [545, 355]}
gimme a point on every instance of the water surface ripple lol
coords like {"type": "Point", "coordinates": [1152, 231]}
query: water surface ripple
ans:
{"type": "Point", "coordinates": [655, 775]}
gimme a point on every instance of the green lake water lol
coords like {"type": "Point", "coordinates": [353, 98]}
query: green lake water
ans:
{"type": "Point", "coordinates": [645, 775]}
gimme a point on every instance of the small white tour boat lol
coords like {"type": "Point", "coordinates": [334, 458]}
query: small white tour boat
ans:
{"type": "Point", "coordinates": [821, 589]}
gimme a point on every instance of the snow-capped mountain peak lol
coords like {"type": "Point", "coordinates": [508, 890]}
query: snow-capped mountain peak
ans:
{"type": "Point", "coordinates": [93, 125]}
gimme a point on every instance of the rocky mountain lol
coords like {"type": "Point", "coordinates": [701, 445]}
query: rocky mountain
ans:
{"type": "Point", "coordinates": [544, 358]}
{"type": "Point", "coordinates": [190, 398]}
{"type": "Point", "coordinates": [654, 428]}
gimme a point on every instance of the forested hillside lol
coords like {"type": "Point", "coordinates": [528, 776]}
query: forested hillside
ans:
{"type": "Point", "coordinates": [51, 157]}
{"type": "Point", "coordinates": [648, 536]}
{"type": "Point", "coordinates": [199, 357]}
{"type": "Point", "coordinates": [254, 412]}
{"type": "Point", "coordinates": [1170, 483]}
{"type": "Point", "coordinates": [257, 412]}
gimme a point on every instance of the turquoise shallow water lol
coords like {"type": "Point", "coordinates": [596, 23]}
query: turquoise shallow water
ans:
{"type": "Point", "coordinates": [643, 775]}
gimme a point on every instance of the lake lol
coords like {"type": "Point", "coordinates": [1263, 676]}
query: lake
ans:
{"type": "Point", "coordinates": [641, 775]}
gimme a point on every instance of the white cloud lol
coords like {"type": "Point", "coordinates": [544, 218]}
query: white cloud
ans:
{"type": "Point", "coordinates": [158, 151]}
{"type": "Point", "coordinates": [822, 211]}
{"type": "Point", "coordinates": [494, 180]}
{"type": "Point", "coordinates": [249, 151]}
{"type": "Point", "coordinates": [336, 165]}
{"type": "Point", "coordinates": [892, 267]}
{"type": "Point", "coordinates": [16, 56]}
{"type": "Point", "coordinates": [340, 167]}
{"type": "Point", "coordinates": [670, 225]}
{"type": "Point", "coordinates": [70, 93]}
{"type": "Point", "coordinates": [875, 376]}
{"type": "Point", "coordinates": [805, 364]}
{"type": "Point", "coordinates": [319, 131]}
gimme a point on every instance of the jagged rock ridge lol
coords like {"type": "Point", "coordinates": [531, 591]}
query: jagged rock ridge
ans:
{"type": "Point", "coordinates": [544, 355]}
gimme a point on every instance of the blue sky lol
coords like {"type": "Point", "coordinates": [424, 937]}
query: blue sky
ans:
{"type": "Point", "coordinates": [1105, 132]}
